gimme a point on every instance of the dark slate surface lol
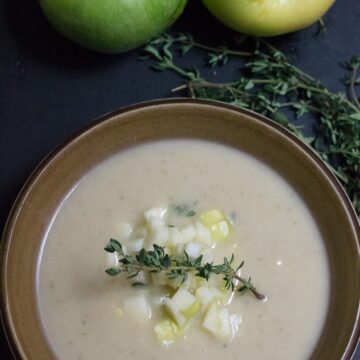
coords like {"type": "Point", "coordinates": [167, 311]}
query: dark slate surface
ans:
{"type": "Point", "coordinates": [50, 88]}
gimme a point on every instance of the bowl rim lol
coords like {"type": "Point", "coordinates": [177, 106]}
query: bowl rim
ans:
{"type": "Point", "coordinates": [9, 331]}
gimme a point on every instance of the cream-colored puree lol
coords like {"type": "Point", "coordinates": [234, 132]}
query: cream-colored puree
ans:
{"type": "Point", "coordinates": [275, 235]}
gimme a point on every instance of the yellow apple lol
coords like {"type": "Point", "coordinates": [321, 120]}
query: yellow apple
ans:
{"type": "Point", "coordinates": [267, 17]}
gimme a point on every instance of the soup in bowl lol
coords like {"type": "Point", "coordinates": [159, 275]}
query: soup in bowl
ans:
{"type": "Point", "coordinates": [224, 236]}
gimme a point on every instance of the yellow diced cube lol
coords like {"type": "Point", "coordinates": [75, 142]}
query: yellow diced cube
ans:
{"type": "Point", "coordinates": [220, 231]}
{"type": "Point", "coordinates": [160, 278]}
{"type": "Point", "coordinates": [166, 330]}
{"type": "Point", "coordinates": [192, 309]}
{"type": "Point", "coordinates": [187, 303]}
{"type": "Point", "coordinates": [212, 216]}
{"type": "Point", "coordinates": [196, 282]}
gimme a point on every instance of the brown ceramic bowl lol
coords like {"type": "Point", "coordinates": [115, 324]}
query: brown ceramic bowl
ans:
{"type": "Point", "coordinates": [254, 134]}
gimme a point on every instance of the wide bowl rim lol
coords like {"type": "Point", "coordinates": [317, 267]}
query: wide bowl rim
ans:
{"type": "Point", "coordinates": [5, 316]}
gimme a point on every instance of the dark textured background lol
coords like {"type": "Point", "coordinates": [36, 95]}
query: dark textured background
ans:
{"type": "Point", "coordinates": [50, 88]}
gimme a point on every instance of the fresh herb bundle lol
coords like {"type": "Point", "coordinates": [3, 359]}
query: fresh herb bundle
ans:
{"type": "Point", "coordinates": [270, 85]}
{"type": "Point", "coordinates": [155, 261]}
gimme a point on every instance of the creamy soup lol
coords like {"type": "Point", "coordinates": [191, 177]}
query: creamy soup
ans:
{"type": "Point", "coordinates": [274, 234]}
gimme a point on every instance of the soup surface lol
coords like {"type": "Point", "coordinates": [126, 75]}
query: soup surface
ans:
{"type": "Point", "coordinates": [274, 234]}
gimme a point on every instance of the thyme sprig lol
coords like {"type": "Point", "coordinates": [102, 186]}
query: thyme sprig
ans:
{"type": "Point", "coordinates": [271, 85]}
{"type": "Point", "coordinates": [177, 267]}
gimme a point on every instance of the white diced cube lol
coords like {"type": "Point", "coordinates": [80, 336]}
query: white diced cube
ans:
{"type": "Point", "coordinates": [176, 237]}
{"type": "Point", "coordinates": [137, 306]}
{"type": "Point", "coordinates": [217, 322]}
{"type": "Point", "coordinates": [158, 236]}
{"type": "Point", "coordinates": [189, 232]}
{"type": "Point", "coordinates": [154, 223]}
{"type": "Point", "coordinates": [141, 232]}
{"type": "Point", "coordinates": [111, 259]}
{"type": "Point", "coordinates": [203, 234]}
{"type": "Point", "coordinates": [186, 302]}
{"type": "Point", "coordinates": [193, 249]}
{"type": "Point", "coordinates": [124, 231]}
{"type": "Point", "coordinates": [134, 246]}
{"type": "Point", "coordinates": [208, 256]}
{"type": "Point", "coordinates": [207, 294]}
{"type": "Point", "coordinates": [155, 213]}
{"type": "Point", "coordinates": [175, 312]}
{"type": "Point", "coordinates": [183, 299]}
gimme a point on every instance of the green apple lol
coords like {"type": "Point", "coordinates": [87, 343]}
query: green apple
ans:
{"type": "Point", "coordinates": [267, 17]}
{"type": "Point", "coordinates": [111, 26]}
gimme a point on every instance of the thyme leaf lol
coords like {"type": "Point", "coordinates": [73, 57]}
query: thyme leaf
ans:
{"type": "Point", "coordinates": [183, 210]}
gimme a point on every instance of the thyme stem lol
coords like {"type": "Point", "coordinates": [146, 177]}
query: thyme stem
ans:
{"type": "Point", "coordinates": [269, 83]}
{"type": "Point", "coordinates": [257, 294]}
{"type": "Point", "coordinates": [224, 50]}
{"type": "Point", "coordinates": [352, 86]}
{"type": "Point", "coordinates": [127, 268]}
{"type": "Point", "coordinates": [155, 261]}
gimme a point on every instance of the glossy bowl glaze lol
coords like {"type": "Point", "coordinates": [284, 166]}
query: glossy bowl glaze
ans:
{"type": "Point", "coordinates": [30, 218]}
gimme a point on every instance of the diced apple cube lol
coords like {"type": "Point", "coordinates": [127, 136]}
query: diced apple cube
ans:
{"type": "Point", "coordinates": [179, 249]}
{"type": "Point", "coordinates": [175, 312]}
{"type": "Point", "coordinates": [189, 232]}
{"type": "Point", "coordinates": [220, 231]}
{"type": "Point", "coordinates": [207, 294]}
{"type": "Point", "coordinates": [203, 234]}
{"type": "Point", "coordinates": [208, 256]}
{"type": "Point", "coordinates": [191, 283]}
{"type": "Point", "coordinates": [166, 330]}
{"type": "Point", "coordinates": [141, 277]}
{"type": "Point", "coordinates": [125, 229]}
{"type": "Point", "coordinates": [155, 213]}
{"type": "Point", "coordinates": [159, 236]}
{"type": "Point", "coordinates": [217, 282]}
{"type": "Point", "coordinates": [217, 322]}
{"type": "Point", "coordinates": [134, 246]}
{"type": "Point", "coordinates": [111, 259]}
{"type": "Point", "coordinates": [186, 302]}
{"type": "Point", "coordinates": [176, 237]}
{"type": "Point", "coordinates": [138, 307]}
{"type": "Point", "coordinates": [141, 232]}
{"type": "Point", "coordinates": [192, 309]}
{"type": "Point", "coordinates": [177, 282]}
{"type": "Point", "coordinates": [124, 250]}
{"type": "Point", "coordinates": [160, 278]}
{"type": "Point", "coordinates": [193, 249]}
{"type": "Point", "coordinates": [154, 223]}
{"type": "Point", "coordinates": [212, 216]}
{"type": "Point", "coordinates": [196, 282]}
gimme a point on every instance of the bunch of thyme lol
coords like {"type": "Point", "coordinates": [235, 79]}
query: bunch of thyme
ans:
{"type": "Point", "coordinates": [271, 85]}
{"type": "Point", "coordinates": [155, 261]}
